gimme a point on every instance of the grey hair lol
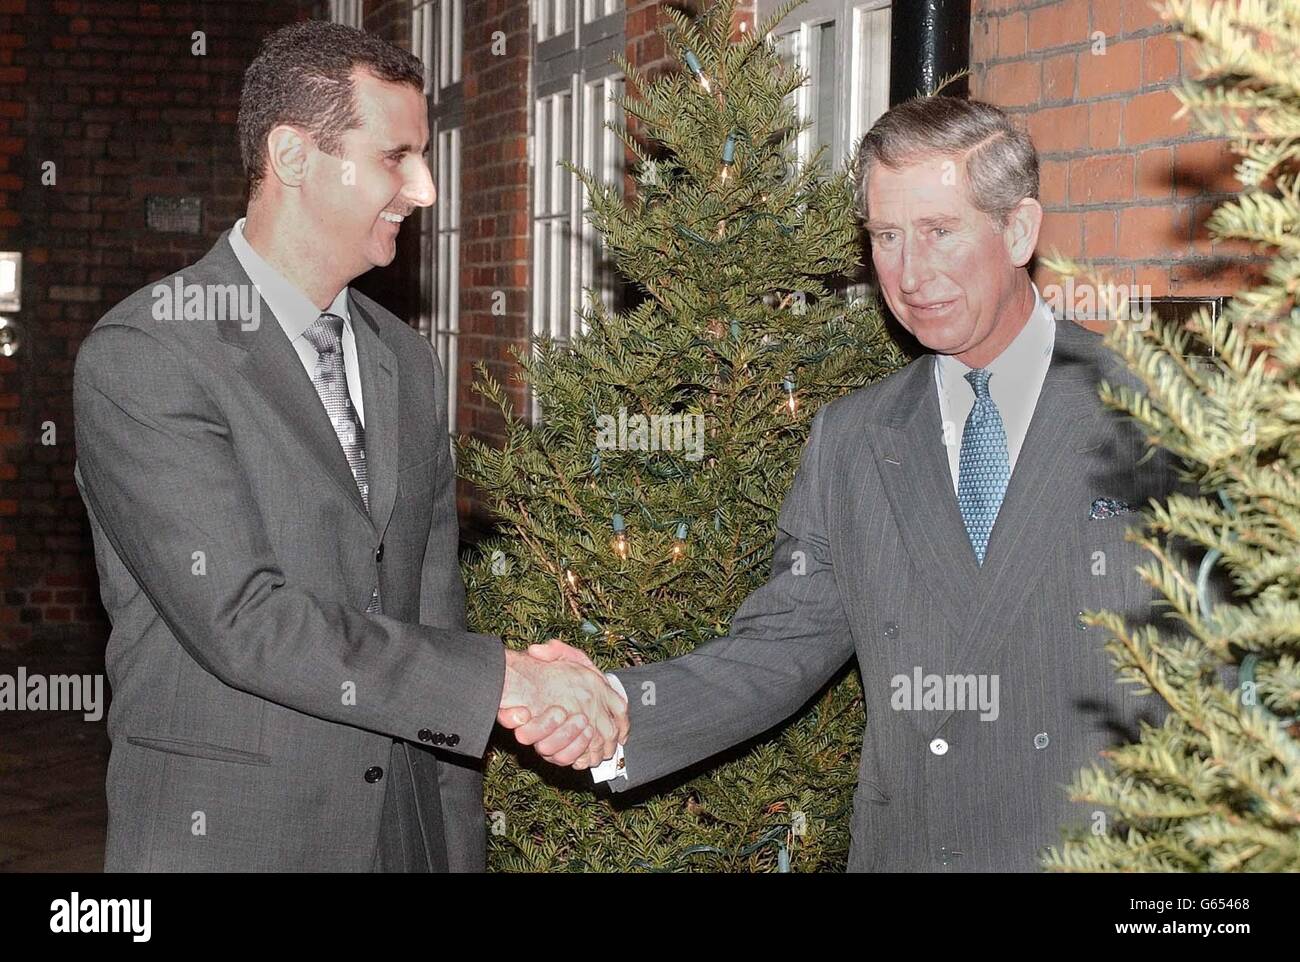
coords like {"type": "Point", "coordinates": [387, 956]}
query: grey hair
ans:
{"type": "Point", "coordinates": [1001, 163]}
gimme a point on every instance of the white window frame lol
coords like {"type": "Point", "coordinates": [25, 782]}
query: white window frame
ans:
{"type": "Point", "coordinates": [437, 28]}
{"type": "Point", "coordinates": [350, 13]}
{"type": "Point", "coordinates": [571, 67]}
{"type": "Point", "coordinates": [863, 42]}
{"type": "Point", "coordinates": [862, 91]}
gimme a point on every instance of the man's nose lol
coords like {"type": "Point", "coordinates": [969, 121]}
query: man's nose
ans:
{"type": "Point", "coordinates": [916, 266]}
{"type": "Point", "coordinates": [421, 191]}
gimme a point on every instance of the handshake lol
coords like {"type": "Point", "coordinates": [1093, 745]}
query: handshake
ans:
{"type": "Point", "coordinates": [555, 699]}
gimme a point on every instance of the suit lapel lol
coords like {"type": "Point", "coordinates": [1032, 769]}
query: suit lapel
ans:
{"type": "Point", "coordinates": [379, 391]}
{"type": "Point", "coordinates": [272, 367]}
{"type": "Point", "coordinates": [913, 465]}
{"type": "Point", "coordinates": [1044, 489]}
{"type": "Point", "coordinates": [1047, 488]}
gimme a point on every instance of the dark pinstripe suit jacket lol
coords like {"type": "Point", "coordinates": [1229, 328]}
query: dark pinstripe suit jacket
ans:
{"type": "Point", "coordinates": [872, 559]}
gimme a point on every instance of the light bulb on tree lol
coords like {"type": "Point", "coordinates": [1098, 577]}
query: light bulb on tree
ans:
{"type": "Point", "coordinates": [693, 64]}
{"type": "Point", "coordinates": [678, 551]}
{"type": "Point", "coordinates": [728, 158]}
{"type": "Point", "coordinates": [791, 402]}
{"type": "Point", "coordinates": [619, 544]}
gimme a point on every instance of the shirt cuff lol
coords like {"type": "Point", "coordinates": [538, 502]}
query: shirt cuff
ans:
{"type": "Point", "coordinates": [615, 767]}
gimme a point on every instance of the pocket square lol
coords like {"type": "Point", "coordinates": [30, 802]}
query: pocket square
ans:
{"type": "Point", "coordinates": [1103, 508]}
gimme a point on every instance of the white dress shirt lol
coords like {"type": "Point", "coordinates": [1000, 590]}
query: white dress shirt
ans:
{"type": "Point", "coordinates": [1016, 382]}
{"type": "Point", "coordinates": [296, 313]}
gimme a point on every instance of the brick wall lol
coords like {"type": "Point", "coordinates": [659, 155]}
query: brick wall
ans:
{"type": "Point", "coordinates": [1124, 185]}
{"type": "Point", "coordinates": [495, 216]}
{"type": "Point", "coordinates": [110, 92]}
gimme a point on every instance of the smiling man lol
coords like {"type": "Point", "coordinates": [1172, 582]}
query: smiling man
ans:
{"type": "Point", "coordinates": [273, 511]}
{"type": "Point", "coordinates": [947, 526]}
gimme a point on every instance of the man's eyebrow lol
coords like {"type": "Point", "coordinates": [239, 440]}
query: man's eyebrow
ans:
{"type": "Point", "coordinates": [406, 149]}
{"type": "Point", "coordinates": [934, 220]}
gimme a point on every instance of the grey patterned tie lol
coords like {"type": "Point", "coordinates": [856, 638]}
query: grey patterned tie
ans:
{"type": "Point", "coordinates": [326, 335]}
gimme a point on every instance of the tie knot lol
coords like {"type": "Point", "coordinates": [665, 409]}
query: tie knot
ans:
{"type": "Point", "coordinates": [325, 334]}
{"type": "Point", "coordinates": [979, 382]}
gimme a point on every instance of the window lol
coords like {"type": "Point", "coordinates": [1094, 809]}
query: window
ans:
{"type": "Point", "coordinates": [843, 47]}
{"type": "Point", "coordinates": [575, 88]}
{"type": "Point", "coordinates": [346, 12]}
{"type": "Point", "coordinates": [822, 38]}
{"type": "Point", "coordinates": [436, 38]}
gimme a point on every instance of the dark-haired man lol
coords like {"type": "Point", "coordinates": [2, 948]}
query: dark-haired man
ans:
{"type": "Point", "coordinates": [271, 494]}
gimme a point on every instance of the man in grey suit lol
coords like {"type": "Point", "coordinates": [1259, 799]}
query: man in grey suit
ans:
{"type": "Point", "coordinates": [264, 457]}
{"type": "Point", "coordinates": [948, 526]}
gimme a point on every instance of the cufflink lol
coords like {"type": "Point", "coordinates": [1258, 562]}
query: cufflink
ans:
{"type": "Point", "coordinates": [1103, 508]}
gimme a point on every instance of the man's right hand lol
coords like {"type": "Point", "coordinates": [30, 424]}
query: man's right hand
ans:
{"type": "Point", "coordinates": [585, 719]}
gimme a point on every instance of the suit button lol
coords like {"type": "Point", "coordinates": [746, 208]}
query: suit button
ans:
{"type": "Point", "coordinates": [1079, 622]}
{"type": "Point", "coordinates": [439, 738]}
{"type": "Point", "coordinates": [947, 856]}
{"type": "Point", "coordinates": [426, 735]}
{"type": "Point", "coordinates": [453, 739]}
{"type": "Point", "coordinates": [1041, 740]}
{"type": "Point", "coordinates": [939, 746]}
{"type": "Point", "coordinates": [891, 630]}
{"type": "Point", "coordinates": [379, 552]}
{"type": "Point", "coordinates": [374, 774]}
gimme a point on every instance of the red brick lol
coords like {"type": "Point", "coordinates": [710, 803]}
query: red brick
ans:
{"type": "Point", "coordinates": [1061, 232]}
{"type": "Point", "coordinates": [1117, 70]}
{"type": "Point", "coordinates": [1054, 129]}
{"type": "Point", "coordinates": [1155, 171]}
{"type": "Point", "coordinates": [1014, 84]}
{"type": "Point", "coordinates": [1160, 59]}
{"type": "Point", "coordinates": [1052, 179]}
{"type": "Point", "coordinates": [1141, 14]}
{"type": "Point", "coordinates": [1059, 77]}
{"type": "Point", "coordinates": [1012, 37]}
{"type": "Point", "coordinates": [1099, 234]}
{"type": "Point", "coordinates": [1144, 230]}
{"type": "Point", "coordinates": [1150, 117]}
{"type": "Point", "coordinates": [1205, 166]}
{"type": "Point", "coordinates": [1105, 124]}
{"type": "Point", "coordinates": [1059, 24]}
{"type": "Point", "coordinates": [1098, 180]}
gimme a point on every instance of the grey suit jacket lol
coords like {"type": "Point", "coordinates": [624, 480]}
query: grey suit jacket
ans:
{"type": "Point", "coordinates": [254, 700]}
{"type": "Point", "coordinates": [872, 558]}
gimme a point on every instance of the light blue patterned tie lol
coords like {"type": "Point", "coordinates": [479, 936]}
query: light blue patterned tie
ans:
{"type": "Point", "coordinates": [984, 468]}
{"type": "Point", "coordinates": [331, 381]}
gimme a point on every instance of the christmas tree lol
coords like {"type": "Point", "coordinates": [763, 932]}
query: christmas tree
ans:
{"type": "Point", "coordinates": [1216, 787]}
{"type": "Point", "coordinates": [640, 512]}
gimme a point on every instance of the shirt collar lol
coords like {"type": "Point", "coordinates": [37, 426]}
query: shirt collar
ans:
{"type": "Point", "coordinates": [291, 307]}
{"type": "Point", "coordinates": [1028, 349]}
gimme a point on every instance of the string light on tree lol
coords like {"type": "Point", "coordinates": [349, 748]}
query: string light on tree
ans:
{"type": "Point", "coordinates": [678, 551]}
{"type": "Point", "coordinates": [619, 544]}
{"type": "Point", "coordinates": [791, 401]}
{"type": "Point", "coordinates": [693, 65]}
{"type": "Point", "coordinates": [728, 157]}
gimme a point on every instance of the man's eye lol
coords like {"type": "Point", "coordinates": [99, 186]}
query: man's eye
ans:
{"type": "Point", "coordinates": [942, 231]}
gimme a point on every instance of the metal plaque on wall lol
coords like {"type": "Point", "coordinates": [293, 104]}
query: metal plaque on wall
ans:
{"type": "Point", "coordinates": [175, 215]}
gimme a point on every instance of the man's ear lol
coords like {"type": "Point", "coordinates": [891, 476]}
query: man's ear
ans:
{"type": "Point", "coordinates": [1021, 233]}
{"type": "Point", "coordinates": [286, 152]}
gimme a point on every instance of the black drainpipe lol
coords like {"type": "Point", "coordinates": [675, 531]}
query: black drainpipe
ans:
{"type": "Point", "coordinates": [929, 40]}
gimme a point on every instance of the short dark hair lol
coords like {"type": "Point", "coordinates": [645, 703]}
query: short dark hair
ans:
{"type": "Point", "coordinates": [302, 75]}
